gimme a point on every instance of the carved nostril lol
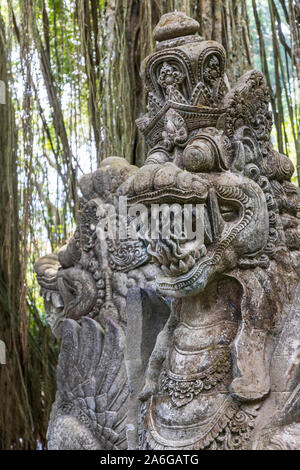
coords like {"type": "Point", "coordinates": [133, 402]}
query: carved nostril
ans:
{"type": "Point", "coordinates": [199, 156]}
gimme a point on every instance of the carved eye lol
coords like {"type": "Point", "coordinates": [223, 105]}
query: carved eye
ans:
{"type": "Point", "coordinates": [229, 213]}
{"type": "Point", "coordinates": [199, 156]}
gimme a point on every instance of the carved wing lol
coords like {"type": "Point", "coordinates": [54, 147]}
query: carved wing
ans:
{"type": "Point", "coordinates": [92, 383]}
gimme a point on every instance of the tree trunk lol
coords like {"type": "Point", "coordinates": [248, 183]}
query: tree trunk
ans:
{"type": "Point", "coordinates": [27, 380]}
{"type": "Point", "coordinates": [9, 253]}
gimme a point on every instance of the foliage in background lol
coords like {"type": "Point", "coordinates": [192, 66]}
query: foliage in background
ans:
{"type": "Point", "coordinates": [277, 54]}
{"type": "Point", "coordinates": [27, 381]}
{"type": "Point", "coordinates": [74, 92]}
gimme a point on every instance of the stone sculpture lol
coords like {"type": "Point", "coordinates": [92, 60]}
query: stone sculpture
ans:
{"type": "Point", "coordinates": [217, 367]}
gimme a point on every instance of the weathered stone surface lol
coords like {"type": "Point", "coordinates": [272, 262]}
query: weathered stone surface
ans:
{"type": "Point", "coordinates": [286, 356]}
{"type": "Point", "coordinates": [220, 370]}
{"type": "Point", "coordinates": [146, 314]}
{"type": "Point", "coordinates": [173, 25]}
{"type": "Point", "coordinates": [90, 376]}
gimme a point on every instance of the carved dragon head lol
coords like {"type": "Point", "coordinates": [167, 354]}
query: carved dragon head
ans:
{"type": "Point", "coordinates": [211, 146]}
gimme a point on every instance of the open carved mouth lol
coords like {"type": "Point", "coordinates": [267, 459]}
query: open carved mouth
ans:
{"type": "Point", "coordinates": [182, 260]}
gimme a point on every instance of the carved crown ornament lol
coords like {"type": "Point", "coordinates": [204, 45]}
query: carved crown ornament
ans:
{"type": "Point", "coordinates": [186, 74]}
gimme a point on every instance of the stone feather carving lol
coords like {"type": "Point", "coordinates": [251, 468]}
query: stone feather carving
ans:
{"type": "Point", "coordinates": [92, 391]}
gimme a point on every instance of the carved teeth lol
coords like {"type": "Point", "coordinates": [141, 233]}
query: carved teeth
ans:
{"type": "Point", "coordinates": [165, 270]}
{"type": "Point", "coordinates": [173, 268]}
{"type": "Point", "coordinates": [171, 265]}
{"type": "Point", "coordinates": [183, 267]}
{"type": "Point", "coordinates": [203, 250]}
{"type": "Point", "coordinates": [173, 257]}
{"type": "Point", "coordinates": [190, 262]}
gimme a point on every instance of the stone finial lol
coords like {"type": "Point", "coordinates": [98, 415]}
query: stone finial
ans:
{"type": "Point", "coordinates": [174, 25]}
